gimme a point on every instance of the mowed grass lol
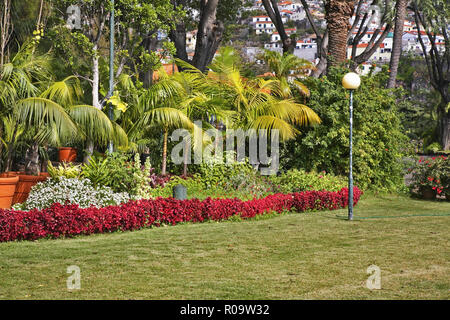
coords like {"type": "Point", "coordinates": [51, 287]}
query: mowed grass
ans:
{"type": "Point", "coordinates": [315, 255]}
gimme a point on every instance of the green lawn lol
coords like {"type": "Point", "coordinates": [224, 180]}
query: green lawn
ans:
{"type": "Point", "coordinates": [295, 256]}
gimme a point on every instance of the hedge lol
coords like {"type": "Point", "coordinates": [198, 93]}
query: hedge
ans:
{"type": "Point", "coordinates": [70, 220]}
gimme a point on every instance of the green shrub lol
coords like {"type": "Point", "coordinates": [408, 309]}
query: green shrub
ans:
{"type": "Point", "coordinates": [378, 141]}
{"type": "Point", "coordinates": [433, 148]}
{"type": "Point", "coordinates": [66, 169]}
{"type": "Point", "coordinates": [120, 174]}
{"type": "Point", "coordinates": [432, 173]}
{"type": "Point", "coordinates": [296, 180]}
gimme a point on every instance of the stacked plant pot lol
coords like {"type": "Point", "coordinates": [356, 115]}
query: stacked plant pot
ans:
{"type": "Point", "coordinates": [8, 183]}
{"type": "Point", "coordinates": [15, 187]}
{"type": "Point", "coordinates": [26, 182]}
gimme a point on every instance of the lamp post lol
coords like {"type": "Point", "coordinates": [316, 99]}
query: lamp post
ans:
{"type": "Point", "coordinates": [351, 82]}
{"type": "Point", "coordinates": [111, 68]}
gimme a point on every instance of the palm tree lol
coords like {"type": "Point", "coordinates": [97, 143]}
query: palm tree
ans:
{"type": "Point", "coordinates": [92, 123]}
{"type": "Point", "coordinates": [338, 14]}
{"type": "Point", "coordinates": [287, 68]}
{"type": "Point", "coordinates": [258, 103]}
{"type": "Point", "coordinates": [161, 105]}
{"type": "Point", "coordinates": [18, 81]}
{"type": "Point", "coordinates": [400, 14]}
{"type": "Point", "coordinates": [49, 112]}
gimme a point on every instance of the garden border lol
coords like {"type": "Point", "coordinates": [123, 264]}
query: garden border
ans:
{"type": "Point", "coordinates": [70, 220]}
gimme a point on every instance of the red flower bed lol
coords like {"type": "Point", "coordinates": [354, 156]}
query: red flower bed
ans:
{"type": "Point", "coordinates": [69, 220]}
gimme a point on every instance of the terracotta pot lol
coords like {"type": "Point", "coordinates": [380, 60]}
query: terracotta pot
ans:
{"type": "Point", "coordinates": [7, 188]}
{"type": "Point", "coordinates": [26, 182]}
{"type": "Point", "coordinates": [67, 154]}
{"type": "Point", "coordinates": [428, 194]}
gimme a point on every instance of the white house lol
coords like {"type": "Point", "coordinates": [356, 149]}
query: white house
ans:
{"type": "Point", "coordinates": [276, 36]}
{"type": "Point", "coordinates": [264, 27]}
{"type": "Point", "coordinates": [257, 19]}
{"type": "Point", "coordinates": [191, 40]}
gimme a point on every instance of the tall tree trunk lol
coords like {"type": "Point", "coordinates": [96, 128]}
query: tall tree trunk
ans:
{"type": "Point", "coordinates": [88, 151]}
{"type": "Point", "coordinates": [185, 163]}
{"type": "Point", "coordinates": [338, 14]}
{"type": "Point", "coordinates": [445, 130]}
{"type": "Point", "coordinates": [150, 45]}
{"type": "Point", "coordinates": [1, 145]}
{"type": "Point", "coordinates": [400, 15]}
{"type": "Point", "coordinates": [95, 101]}
{"type": "Point", "coordinates": [32, 160]}
{"type": "Point", "coordinates": [273, 12]}
{"type": "Point", "coordinates": [44, 164]}
{"type": "Point", "coordinates": [10, 152]}
{"type": "Point", "coordinates": [209, 34]}
{"type": "Point", "coordinates": [164, 154]}
{"type": "Point", "coordinates": [5, 29]}
{"type": "Point", "coordinates": [178, 37]}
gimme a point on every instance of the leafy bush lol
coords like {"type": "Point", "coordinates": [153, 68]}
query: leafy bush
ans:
{"type": "Point", "coordinates": [432, 173]}
{"type": "Point", "coordinates": [219, 180]}
{"type": "Point", "coordinates": [74, 191]}
{"type": "Point", "coordinates": [221, 174]}
{"type": "Point", "coordinates": [378, 141]}
{"type": "Point", "coordinates": [66, 169]}
{"type": "Point", "coordinates": [296, 180]}
{"type": "Point", "coordinates": [63, 221]}
{"type": "Point", "coordinates": [433, 148]}
{"type": "Point", "coordinates": [120, 174]}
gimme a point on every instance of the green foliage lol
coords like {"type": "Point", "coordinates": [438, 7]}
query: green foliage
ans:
{"type": "Point", "coordinates": [242, 181]}
{"type": "Point", "coordinates": [237, 179]}
{"type": "Point", "coordinates": [433, 148]}
{"type": "Point", "coordinates": [65, 169]}
{"type": "Point", "coordinates": [215, 174]}
{"type": "Point", "coordinates": [97, 171]}
{"type": "Point", "coordinates": [296, 180]}
{"type": "Point", "coordinates": [119, 173]}
{"type": "Point", "coordinates": [431, 173]}
{"type": "Point", "coordinates": [378, 141]}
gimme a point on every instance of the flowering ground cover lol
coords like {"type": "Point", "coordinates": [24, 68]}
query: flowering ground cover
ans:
{"type": "Point", "coordinates": [69, 220]}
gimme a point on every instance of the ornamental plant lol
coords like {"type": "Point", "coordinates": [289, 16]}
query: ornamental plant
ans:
{"type": "Point", "coordinates": [431, 173]}
{"type": "Point", "coordinates": [296, 180]}
{"type": "Point", "coordinates": [65, 169]}
{"type": "Point", "coordinates": [118, 172]}
{"type": "Point", "coordinates": [71, 220]}
{"type": "Point", "coordinates": [71, 191]}
{"type": "Point", "coordinates": [379, 144]}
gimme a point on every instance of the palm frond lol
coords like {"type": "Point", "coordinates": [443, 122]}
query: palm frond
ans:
{"type": "Point", "coordinates": [38, 112]}
{"type": "Point", "coordinates": [269, 123]}
{"type": "Point", "coordinates": [64, 92]}
{"type": "Point", "coordinates": [93, 123]}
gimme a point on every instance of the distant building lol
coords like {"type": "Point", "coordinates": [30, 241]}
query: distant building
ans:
{"type": "Point", "coordinates": [275, 37]}
{"type": "Point", "coordinates": [191, 40]}
{"type": "Point", "coordinates": [264, 27]}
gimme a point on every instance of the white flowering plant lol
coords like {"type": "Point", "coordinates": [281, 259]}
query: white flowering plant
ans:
{"type": "Point", "coordinates": [72, 190]}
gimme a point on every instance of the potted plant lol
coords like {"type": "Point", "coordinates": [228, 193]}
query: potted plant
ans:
{"type": "Point", "coordinates": [67, 154]}
{"type": "Point", "coordinates": [7, 188]}
{"type": "Point", "coordinates": [31, 176]}
{"type": "Point", "coordinates": [430, 177]}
